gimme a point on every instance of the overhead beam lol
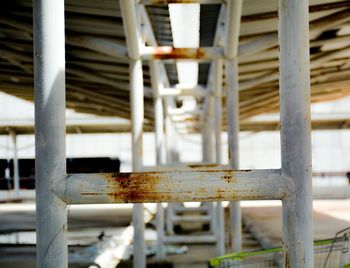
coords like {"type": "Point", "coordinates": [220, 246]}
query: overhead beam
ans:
{"type": "Point", "coordinates": [167, 2]}
{"type": "Point", "coordinates": [100, 45]}
{"type": "Point", "coordinates": [271, 40]}
{"type": "Point", "coordinates": [196, 91]}
{"type": "Point", "coordinates": [172, 53]}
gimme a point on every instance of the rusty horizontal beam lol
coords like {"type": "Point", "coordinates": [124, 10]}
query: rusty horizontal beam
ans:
{"type": "Point", "coordinates": [174, 186]}
{"type": "Point", "coordinates": [172, 53]}
{"type": "Point", "coordinates": [167, 2]}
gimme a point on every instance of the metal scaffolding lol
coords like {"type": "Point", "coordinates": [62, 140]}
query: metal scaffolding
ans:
{"type": "Point", "coordinates": [292, 183]}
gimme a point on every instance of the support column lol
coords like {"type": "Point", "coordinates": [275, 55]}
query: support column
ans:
{"type": "Point", "coordinates": [172, 152]}
{"type": "Point", "coordinates": [170, 159]}
{"type": "Point", "coordinates": [15, 163]}
{"type": "Point", "coordinates": [159, 141]}
{"type": "Point", "coordinates": [217, 86]}
{"type": "Point", "coordinates": [293, 31]}
{"type": "Point", "coordinates": [137, 118]}
{"type": "Point", "coordinates": [207, 131]}
{"type": "Point", "coordinates": [134, 42]}
{"type": "Point", "coordinates": [50, 144]}
{"type": "Point", "coordinates": [233, 21]}
{"type": "Point", "coordinates": [233, 149]}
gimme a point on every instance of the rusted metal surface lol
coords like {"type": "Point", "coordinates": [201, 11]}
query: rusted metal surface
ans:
{"type": "Point", "coordinates": [172, 53]}
{"type": "Point", "coordinates": [174, 186]}
{"type": "Point", "coordinates": [166, 2]}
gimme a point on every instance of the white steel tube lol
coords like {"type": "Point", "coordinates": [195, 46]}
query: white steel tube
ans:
{"type": "Point", "coordinates": [220, 244]}
{"type": "Point", "coordinates": [15, 164]}
{"type": "Point", "coordinates": [217, 86]}
{"type": "Point", "coordinates": [295, 131]}
{"type": "Point", "coordinates": [174, 186]}
{"type": "Point", "coordinates": [170, 53]}
{"type": "Point", "coordinates": [131, 28]}
{"type": "Point", "coordinates": [207, 150]}
{"type": "Point", "coordinates": [207, 131]}
{"type": "Point", "coordinates": [233, 147]}
{"type": "Point", "coordinates": [170, 160]}
{"type": "Point", "coordinates": [233, 21]}
{"type": "Point", "coordinates": [162, 2]}
{"type": "Point", "coordinates": [191, 239]}
{"type": "Point", "coordinates": [159, 140]}
{"type": "Point", "coordinates": [50, 145]}
{"type": "Point", "coordinates": [137, 118]}
{"type": "Point", "coordinates": [160, 231]}
{"type": "Point", "coordinates": [133, 41]}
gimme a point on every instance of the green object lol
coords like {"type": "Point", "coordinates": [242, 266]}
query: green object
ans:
{"type": "Point", "coordinates": [242, 255]}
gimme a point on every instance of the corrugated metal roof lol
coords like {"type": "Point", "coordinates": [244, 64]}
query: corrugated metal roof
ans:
{"type": "Point", "coordinates": [98, 83]}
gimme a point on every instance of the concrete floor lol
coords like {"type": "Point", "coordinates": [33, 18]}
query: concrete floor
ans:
{"type": "Point", "coordinates": [329, 217]}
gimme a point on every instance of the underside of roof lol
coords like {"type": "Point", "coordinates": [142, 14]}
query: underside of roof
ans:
{"type": "Point", "coordinates": [98, 82]}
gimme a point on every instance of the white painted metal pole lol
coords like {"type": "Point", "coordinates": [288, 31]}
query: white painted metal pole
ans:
{"type": "Point", "coordinates": [233, 24]}
{"type": "Point", "coordinates": [137, 118]}
{"type": "Point", "coordinates": [169, 159]}
{"type": "Point", "coordinates": [133, 40]}
{"type": "Point", "coordinates": [207, 131]}
{"type": "Point", "coordinates": [296, 131]}
{"type": "Point", "coordinates": [217, 86]}
{"type": "Point", "coordinates": [160, 232]}
{"type": "Point", "coordinates": [207, 151]}
{"type": "Point", "coordinates": [159, 140]}
{"type": "Point", "coordinates": [15, 164]}
{"type": "Point", "coordinates": [50, 145]}
{"type": "Point", "coordinates": [233, 21]}
{"type": "Point", "coordinates": [233, 147]}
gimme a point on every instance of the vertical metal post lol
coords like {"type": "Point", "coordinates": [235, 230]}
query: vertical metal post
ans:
{"type": "Point", "coordinates": [207, 151]}
{"type": "Point", "coordinates": [133, 39]}
{"type": "Point", "coordinates": [170, 159]}
{"type": "Point", "coordinates": [50, 144]}
{"type": "Point", "coordinates": [234, 8]}
{"type": "Point", "coordinates": [207, 132]}
{"type": "Point", "coordinates": [15, 163]}
{"type": "Point", "coordinates": [171, 147]}
{"type": "Point", "coordinates": [217, 88]}
{"type": "Point", "coordinates": [233, 147]}
{"type": "Point", "coordinates": [293, 31]}
{"type": "Point", "coordinates": [137, 118]}
{"type": "Point", "coordinates": [159, 140]}
{"type": "Point", "coordinates": [175, 141]}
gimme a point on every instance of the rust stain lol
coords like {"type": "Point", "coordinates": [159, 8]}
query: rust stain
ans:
{"type": "Point", "coordinates": [201, 165]}
{"type": "Point", "coordinates": [164, 2]}
{"type": "Point", "coordinates": [286, 260]}
{"type": "Point", "coordinates": [228, 177]}
{"type": "Point", "coordinates": [134, 187]}
{"type": "Point", "coordinates": [162, 53]}
{"type": "Point", "coordinates": [220, 194]}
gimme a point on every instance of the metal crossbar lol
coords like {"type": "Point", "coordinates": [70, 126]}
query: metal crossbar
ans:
{"type": "Point", "coordinates": [291, 184]}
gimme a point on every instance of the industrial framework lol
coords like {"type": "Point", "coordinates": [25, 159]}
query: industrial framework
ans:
{"type": "Point", "coordinates": [291, 184]}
